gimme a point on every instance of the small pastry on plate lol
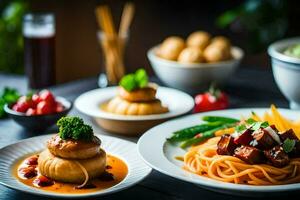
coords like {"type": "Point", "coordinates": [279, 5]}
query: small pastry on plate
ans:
{"type": "Point", "coordinates": [136, 96]}
{"type": "Point", "coordinates": [74, 155]}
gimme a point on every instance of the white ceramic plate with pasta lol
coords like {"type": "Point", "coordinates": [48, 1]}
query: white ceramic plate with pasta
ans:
{"type": "Point", "coordinates": [122, 149]}
{"type": "Point", "coordinates": [162, 156]}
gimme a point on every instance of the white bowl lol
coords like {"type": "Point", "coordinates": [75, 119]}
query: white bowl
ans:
{"type": "Point", "coordinates": [89, 103]}
{"type": "Point", "coordinates": [194, 77]}
{"type": "Point", "coordinates": [286, 71]}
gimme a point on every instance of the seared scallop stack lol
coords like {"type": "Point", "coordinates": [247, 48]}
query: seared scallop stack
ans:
{"type": "Point", "coordinates": [72, 161]}
{"type": "Point", "coordinates": [140, 101]}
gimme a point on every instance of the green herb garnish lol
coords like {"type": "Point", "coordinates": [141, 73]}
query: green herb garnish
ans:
{"type": "Point", "coordinates": [288, 145]}
{"type": "Point", "coordinates": [240, 128]}
{"type": "Point", "coordinates": [74, 128]}
{"type": "Point", "coordinates": [8, 96]}
{"type": "Point", "coordinates": [250, 121]}
{"type": "Point", "coordinates": [139, 79]}
{"type": "Point", "coordinates": [257, 125]}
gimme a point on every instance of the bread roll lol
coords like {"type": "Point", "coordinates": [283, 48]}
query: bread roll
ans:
{"type": "Point", "coordinates": [199, 39]}
{"type": "Point", "coordinates": [221, 41]}
{"type": "Point", "coordinates": [171, 48]}
{"type": "Point", "coordinates": [191, 55]}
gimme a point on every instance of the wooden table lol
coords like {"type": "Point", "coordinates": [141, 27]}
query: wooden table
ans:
{"type": "Point", "coordinates": [247, 88]}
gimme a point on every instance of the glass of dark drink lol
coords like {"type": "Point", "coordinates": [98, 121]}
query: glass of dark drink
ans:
{"type": "Point", "coordinates": [39, 49]}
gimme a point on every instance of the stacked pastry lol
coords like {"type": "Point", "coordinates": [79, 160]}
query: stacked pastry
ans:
{"type": "Point", "coordinates": [72, 161]}
{"type": "Point", "coordinates": [140, 101]}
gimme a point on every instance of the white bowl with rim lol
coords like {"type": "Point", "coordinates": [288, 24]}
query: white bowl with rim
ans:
{"type": "Point", "coordinates": [286, 70]}
{"type": "Point", "coordinates": [194, 77]}
{"type": "Point", "coordinates": [90, 104]}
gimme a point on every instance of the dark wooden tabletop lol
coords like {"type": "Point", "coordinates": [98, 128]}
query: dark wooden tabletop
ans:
{"type": "Point", "coordinates": [247, 88]}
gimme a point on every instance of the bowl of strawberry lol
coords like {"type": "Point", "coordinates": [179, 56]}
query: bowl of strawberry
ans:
{"type": "Point", "coordinates": [38, 111]}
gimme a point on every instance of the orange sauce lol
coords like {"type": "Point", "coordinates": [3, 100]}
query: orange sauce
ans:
{"type": "Point", "coordinates": [115, 166]}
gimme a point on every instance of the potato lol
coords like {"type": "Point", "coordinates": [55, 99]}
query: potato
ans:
{"type": "Point", "coordinates": [191, 55]}
{"type": "Point", "coordinates": [221, 41]}
{"type": "Point", "coordinates": [214, 53]}
{"type": "Point", "coordinates": [171, 48]}
{"type": "Point", "coordinates": [199, 39]}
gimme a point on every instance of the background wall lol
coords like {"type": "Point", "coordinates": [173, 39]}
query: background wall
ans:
{"type": "Point", "coordinates": [78, 52]}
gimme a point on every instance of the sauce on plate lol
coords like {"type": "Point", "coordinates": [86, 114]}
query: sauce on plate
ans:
{"type": "Point", "coordinates": [116, 171]}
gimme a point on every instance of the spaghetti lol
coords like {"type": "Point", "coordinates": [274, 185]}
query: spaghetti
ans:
{"type": "Point", "coordinates": [204, 160]}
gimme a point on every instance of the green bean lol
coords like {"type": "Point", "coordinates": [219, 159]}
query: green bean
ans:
{"type": "Point", "coordinates": [219, 119]}
{"type": "Point", "coordinates": [190, 132]}
{"type": "Point", "coordinates": [204, 136]}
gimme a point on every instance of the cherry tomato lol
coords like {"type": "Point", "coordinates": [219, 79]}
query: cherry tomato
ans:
{"type": "Point", "coordinates": [211, 101]}
{"type": "Point", "coordinates": [33, 160]}
{"type": "Point", "coordinates": [59, 107]}
{"type": "Point", "coordinates": [46, 95]}
{"type": "Point", "coordinates": [35, 99]}
{"type": "Point", "coordinates": [44, 107]}
{"type": "Point", "coordinates": [31, 111]}
{"type": "Point", "coordinates": [22, 104]}
{"type": "Point", "coordinates": [42, 181]}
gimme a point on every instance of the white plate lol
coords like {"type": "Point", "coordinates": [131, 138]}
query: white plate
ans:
{"type": "Point", "coordinates": [123, 149]}
{"type": "Point", "coordinates": [162, 154]}
{"type": "Point", "coordinates": [178, 103]}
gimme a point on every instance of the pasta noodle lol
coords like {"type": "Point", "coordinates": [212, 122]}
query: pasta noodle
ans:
{"type": "Point", "coordinates": [204, 160]}
{"type": "Point", "coordinates": [85, 174]}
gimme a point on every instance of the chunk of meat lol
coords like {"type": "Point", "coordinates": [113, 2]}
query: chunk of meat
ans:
{"type": "Point", "coordinates": [263, 139]}
{"type": "Point", "coordinates": [249, 154]}
{"type": "Point", "coordinates": [277, 156]}
{"type": "Point", "coordinates": [245, 138]}
{"type": "Point", "coordinates": [289, 134]}
{"type": "Point", "coordinates": [27, 172]}
{"type": "Point", "coordinates": [226, 145]}
{"type": "Point", "coordinates": [274, 128]}
{"type": "Point", "coordinates": [295, 153]}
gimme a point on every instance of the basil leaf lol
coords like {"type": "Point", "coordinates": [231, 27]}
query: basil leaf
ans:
{"type": "Point", "coordinates": [240, 128]}
{"type": "Point", "coordinates": [255, 126]}
{"type": "Point", "coordinates": [250, 121]}
{"type": "Point", "coordinates": [264, 125]}
{"type": "Point", "coordinates": [133, 81]}
{"type": "Point", "coordinates": [288, 145]}
{"type": "Point", "coordinates": [128, 82]}
{"type": "Point", "coordinates": [141, 78]}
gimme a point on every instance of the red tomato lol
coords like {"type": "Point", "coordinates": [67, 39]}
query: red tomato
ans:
{"type": "Point", "coordinates": [44, 107]}
{"type": "Point", "coordinates": [208, 101]}
{"type": "Point", "coordinates": [46, 95]}
{"type": "Point", "coordinates": [31, 111]}
{"type": "Point", "coordinates": [59, 107]}
{"type": "Point", "coordinates": [22, 104]}
{"type": "Point", "coordinates": [35, 99]}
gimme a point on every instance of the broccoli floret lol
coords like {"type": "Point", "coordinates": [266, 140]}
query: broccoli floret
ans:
{"type": "Point", "coordinates": [74, 128]}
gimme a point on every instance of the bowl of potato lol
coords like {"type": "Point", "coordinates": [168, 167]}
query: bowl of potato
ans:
{"type": "Point", "coordinates": [193, 64]}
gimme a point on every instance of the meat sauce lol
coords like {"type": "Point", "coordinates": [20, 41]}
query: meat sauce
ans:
{"type": "Point", "coordinates": [26, 171]}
